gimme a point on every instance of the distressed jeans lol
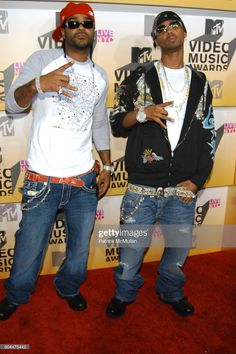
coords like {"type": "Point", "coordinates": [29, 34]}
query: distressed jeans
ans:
{"type": "Point", "coordinates": [40, 204]}
{"type": "Point", "coordinates": [176, 220]}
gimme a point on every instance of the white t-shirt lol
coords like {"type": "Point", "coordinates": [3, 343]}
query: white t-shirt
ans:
{"type": "Point", "coordinates": [175, 92]}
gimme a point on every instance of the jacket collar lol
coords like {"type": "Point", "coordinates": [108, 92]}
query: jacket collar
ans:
{"type": "Point", "coordinates": [196, 90]}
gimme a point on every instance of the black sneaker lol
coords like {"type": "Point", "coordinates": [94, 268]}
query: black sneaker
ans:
{"type": "Point", "coordinates": [6, 309]}
{"type": "Point", "coordinates": [76, 303]}
{"type": "Point", "coordinates": [182, 307]}
{"type": "Point", "coordinates": [116, 308]}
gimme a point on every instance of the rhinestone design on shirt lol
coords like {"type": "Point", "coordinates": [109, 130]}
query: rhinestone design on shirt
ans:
{"type": "Point", "coordinates": [76, 113]}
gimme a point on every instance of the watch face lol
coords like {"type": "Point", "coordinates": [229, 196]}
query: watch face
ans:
{"type": "Point", "coordinates": [109, 168]}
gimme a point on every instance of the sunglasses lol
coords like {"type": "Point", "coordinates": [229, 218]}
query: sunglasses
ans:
{"type": "Point", "coordinates": [72, 24]}
{"type": "Point", "coordinates": [171, 26]}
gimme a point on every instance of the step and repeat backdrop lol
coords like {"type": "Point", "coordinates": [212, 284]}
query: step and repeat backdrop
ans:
{"type": "Point", "coordinates": [122, 42]}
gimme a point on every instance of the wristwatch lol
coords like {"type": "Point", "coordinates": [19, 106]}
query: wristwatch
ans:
{"type": "Point", "coordinates": [109, 168]}
{"type": "Point", "coordinates": [141, 116]}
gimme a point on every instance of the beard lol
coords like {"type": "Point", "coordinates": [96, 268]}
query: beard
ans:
{"type": "Point", "coordinates": [76, 42]}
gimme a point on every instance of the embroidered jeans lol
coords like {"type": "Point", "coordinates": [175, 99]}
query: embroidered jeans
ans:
{"type": "Point", "coordinates": [176, 219]}
{"type": "Point", "coordinates": [40, 203]}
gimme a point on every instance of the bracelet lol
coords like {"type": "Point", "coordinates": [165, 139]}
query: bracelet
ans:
{"type": "Point", "coordinates": [141, 116]}
{"type": "Point", "coordinates": [37, 85]}
{"type": "Point", "coordinates": [109, 168]}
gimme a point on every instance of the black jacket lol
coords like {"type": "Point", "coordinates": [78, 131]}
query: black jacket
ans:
{"type": "Point", "coordinates": [148, 158]}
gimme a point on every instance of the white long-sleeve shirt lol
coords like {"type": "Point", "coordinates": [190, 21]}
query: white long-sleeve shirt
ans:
{"type": "Point", "coordinates": [64, 129]}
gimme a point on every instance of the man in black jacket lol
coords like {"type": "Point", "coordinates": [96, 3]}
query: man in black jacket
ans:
{"type": "Point", "coordinates": [165, 109]}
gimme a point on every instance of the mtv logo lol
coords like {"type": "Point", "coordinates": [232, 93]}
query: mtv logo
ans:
{"type": "Point", "coordinates": [214, 27]}
{"type": "Point", "coordinates": [3, 238]}
{"type": "Point", "coordinates": [7, 126]}
{"type": "Point", "coordinates": [8, 212]}
{"type": "Point", "coordinates": [141, 55]}
{"type": "Point", "coordinates": [217, 88]}
{"type": "Point", "coordinates": [4, 22]}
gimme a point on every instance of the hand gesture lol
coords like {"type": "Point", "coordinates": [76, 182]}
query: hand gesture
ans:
{"type": "Point", "coordinates": [56, 81]}
{"type": "Point", "coordinates": [157, 112]}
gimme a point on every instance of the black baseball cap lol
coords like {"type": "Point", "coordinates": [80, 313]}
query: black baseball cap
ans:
{"type": "Point", "coordinates": [165, 16]}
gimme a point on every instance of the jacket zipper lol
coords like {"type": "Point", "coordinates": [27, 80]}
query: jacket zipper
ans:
{"type": "Point", "coordinates": [173, 151]}
{"type": "Point", "coordinates": [171, 155]}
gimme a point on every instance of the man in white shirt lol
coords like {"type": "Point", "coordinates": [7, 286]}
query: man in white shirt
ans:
{"type": "Point", "coordinates": [67, 92]}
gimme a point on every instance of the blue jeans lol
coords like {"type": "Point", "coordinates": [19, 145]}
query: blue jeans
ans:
{"type": "Point", "coordinates": [40, 204]}
{"type": "Point", "coordinates": [176, 219]}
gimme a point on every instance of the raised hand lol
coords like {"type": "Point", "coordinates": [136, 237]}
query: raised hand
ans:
{"type": "Point", "coordinates": [57, 81]}
{"type": "Point", "coordinates": [157, 112]}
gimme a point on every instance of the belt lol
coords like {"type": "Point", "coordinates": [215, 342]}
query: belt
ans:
{"type": "Point", "coordinates": [161, 192]}
{"type": "Point", "coordinates": [74, 180]}
{"type": "Point", "coordinates": [35, 177]}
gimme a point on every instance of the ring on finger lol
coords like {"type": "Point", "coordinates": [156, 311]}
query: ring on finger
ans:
{"type": "Point", "coordinates": [60, 90]}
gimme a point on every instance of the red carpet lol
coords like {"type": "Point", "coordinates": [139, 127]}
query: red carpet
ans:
{"type": "Point", "coordinates": [49, 326]}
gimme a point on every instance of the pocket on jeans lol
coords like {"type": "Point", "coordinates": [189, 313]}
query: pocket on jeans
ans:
{"type": "Point", "coordinates": [33, 193]}
{"type": "Point", "coordinates": [130, 203]}
{"type": "Point", "coordinates": [192, 202]}
{"type": "Point", "coordinates": [90, 181]}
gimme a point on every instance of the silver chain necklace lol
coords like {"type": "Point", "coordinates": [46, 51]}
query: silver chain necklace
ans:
{"type": "Point", "coordinates": [166, 86]}
{"type": "Point", "coordinates": [168, 82]}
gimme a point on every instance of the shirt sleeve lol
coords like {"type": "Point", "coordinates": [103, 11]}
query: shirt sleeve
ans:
{"type": "Point", "coordinates": [123, 103]}
{"type": "Point", "coordinates": [207, 149]}
{"type": "Point", "coordinates": [31, 68]}
{"type": "Point", "coordinates": [100, 127]}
